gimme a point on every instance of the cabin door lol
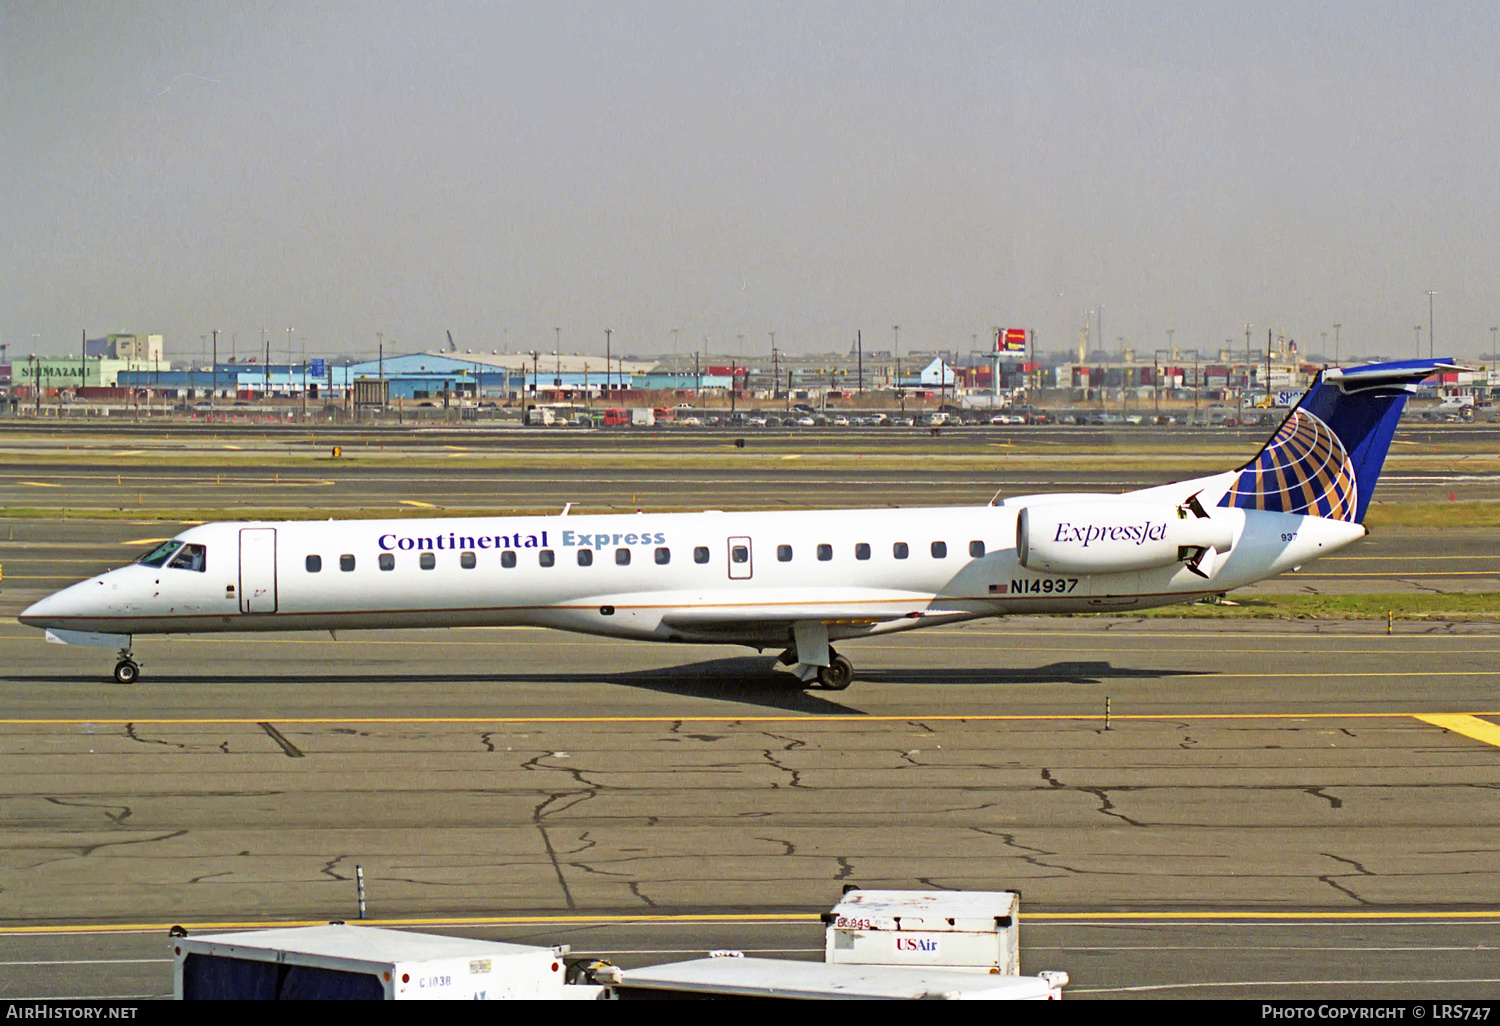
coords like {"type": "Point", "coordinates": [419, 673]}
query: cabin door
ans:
{"type": "Point", "coordinates": [258, 570]}
{"type": "Point", "coordinates": [740, 563]}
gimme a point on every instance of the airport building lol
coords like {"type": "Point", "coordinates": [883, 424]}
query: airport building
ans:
{"type": "Point", "coordinates": [71, 371]}
{"type": "Point", "coordinates": [143, 348]}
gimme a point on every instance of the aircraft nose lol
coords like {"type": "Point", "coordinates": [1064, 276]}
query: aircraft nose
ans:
{"type": "Point", "coordinates": [49, 611]}
{"type": "Point", "coordinates": [40, 614]}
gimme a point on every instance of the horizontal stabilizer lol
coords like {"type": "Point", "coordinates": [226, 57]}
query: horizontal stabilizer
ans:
{"type": "Point", "coordinates": [1404, 374]}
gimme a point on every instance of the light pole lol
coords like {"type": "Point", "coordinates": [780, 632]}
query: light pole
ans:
{"type": "Point", "coordinates": [1417, 329]}
{"type": "Point", "coordinates": [1248, 360]}
{"type": "Point", "coordinates": [1430, 294]}
{"type": "Point", "coordinates": [1336, 328]}
{"type": "Point", "coordinates": [1493, 329]}
{"type": "Point", "coordinates": [1156, 381]}
{"type": "Point", "coordinates": [608, 380]}
{"type": "Point", "coordinates": [775, 369]}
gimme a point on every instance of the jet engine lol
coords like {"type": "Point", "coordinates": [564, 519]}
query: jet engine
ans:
{"type": "Point", "coordinates": [1119, 537]}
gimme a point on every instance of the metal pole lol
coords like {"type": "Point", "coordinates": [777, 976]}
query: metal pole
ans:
{"type": "Point", "coordinates": [608, 373]}
{"type": "Point", "coordinates": [1430, 294]}
{"type": "Point", "coordinates": [859, 345]}
{"type": "Point", "coordinates": [1336, 328]}
{"type": "Point", "coordinates": [215, 358]}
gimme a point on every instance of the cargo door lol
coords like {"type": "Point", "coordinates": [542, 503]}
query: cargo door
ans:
{"type": "Point", "coordinates": [740, 563]}
{"type": "Point", "coordinates": [258, 570]}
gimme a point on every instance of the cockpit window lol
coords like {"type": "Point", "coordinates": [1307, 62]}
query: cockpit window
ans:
{"type": "Point", "coordinates": [192, 557]}
{"type": "Point", "coordinates": [158, 556]}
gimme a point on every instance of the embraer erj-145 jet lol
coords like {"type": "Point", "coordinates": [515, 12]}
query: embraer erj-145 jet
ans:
{"type": "Point", "coordinates": [791, 582]}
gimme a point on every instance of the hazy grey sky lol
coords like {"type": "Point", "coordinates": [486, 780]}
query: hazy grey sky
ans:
{"type": "Point", "coordinates": [498, 169]}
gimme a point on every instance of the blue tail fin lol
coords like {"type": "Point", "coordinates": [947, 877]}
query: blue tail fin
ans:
{"type": "Point", "coordinates": [1325, 458]}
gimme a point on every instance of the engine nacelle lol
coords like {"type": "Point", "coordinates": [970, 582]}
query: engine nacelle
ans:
{"type": "Point", "coordinates": [1119, 537]}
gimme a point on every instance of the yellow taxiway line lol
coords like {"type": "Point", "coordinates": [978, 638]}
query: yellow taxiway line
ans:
{"type": "Point", "coordinates": [1430, 718]}
{"type": "Point", "coordinates": [769, 918]}
{"type": "Point", "coordinates": [1467, 724]}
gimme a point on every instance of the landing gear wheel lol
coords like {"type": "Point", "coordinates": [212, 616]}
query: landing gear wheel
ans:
{"type": "Point", "coordinates": [127, 672]}
{"type": "Point", "coordinates": [838, 675]}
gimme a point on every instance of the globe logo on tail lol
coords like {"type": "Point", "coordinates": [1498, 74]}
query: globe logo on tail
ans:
{"type": "Point", "coordinates": [1303, 469]}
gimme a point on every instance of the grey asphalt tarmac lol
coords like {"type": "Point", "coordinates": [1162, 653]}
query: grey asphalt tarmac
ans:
{"type": "Point", "coordinates": [1273, 809]}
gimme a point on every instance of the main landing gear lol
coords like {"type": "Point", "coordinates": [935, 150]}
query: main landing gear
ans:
{"type": "Point", "coordinates": [127, 670]}
{"type": "Point", "coordinates": [837, 675]}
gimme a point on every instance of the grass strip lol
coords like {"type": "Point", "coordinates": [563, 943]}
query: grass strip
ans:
{"type": "Point", "coordinates": [1398, 606]}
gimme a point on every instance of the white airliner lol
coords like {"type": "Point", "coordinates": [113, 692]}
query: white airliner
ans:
{"type": "Point", "coordinates": [793, 582]}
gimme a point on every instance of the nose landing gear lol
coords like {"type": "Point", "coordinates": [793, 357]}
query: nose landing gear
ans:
{"type": "Point", "coordinates": [127, 670]}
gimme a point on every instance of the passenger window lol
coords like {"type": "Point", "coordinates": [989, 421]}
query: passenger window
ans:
{"type": "Point", "coordinates": [346, 562]}
{"type": "Point", "coordinates": [622, 557]}
{"type": "Point", "coordinates": [783, 553]}
{"type": "Point", "coordinates": [467, 560]}
{"type": "Point", "coordinates": [387, 561]}
{"type": "Point", "coordinates": [700, 554]}
{"type": "Point", "coordinates": [899, 550]}
{"type": "Point", "coordinates": [663, 557]}
{"type": "Point", "coordinates": [862, 550]}
{"type": "Point", "coordinates": [508, 559]}
{"type": "Point", "coordinates": [585, 557]}
{"type": "Point", "coordinates": [976, 549]}
{"type": "Point", "coordinates": [545, 557]}
{"type": "Point", "coordinates": [189, 557]}
{"type": "Point", "coordinates": [427, 561]}
{"type": "Point", "coordinates": [739, 554]}
{"type": "Point", "coordinates": [939, 550]}
{"type": "Point", "coordinates": [158, 556]}
{"type": "Point", "coordinates": [314, 564]}
{"type": "Point", "coordinates": [825, 552]}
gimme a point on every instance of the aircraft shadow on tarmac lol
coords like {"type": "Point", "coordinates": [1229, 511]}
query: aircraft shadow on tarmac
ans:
{"type": "Point", "coordinates": [750, 680]}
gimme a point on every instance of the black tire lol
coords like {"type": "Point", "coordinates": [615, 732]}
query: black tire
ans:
{"type": "Point", "coordinates": [838, 675]}
{"type": "Point", "coordinates": [126, 672]}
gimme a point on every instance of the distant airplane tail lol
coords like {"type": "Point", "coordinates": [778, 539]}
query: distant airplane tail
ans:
{"type": "Point", "coordinates": [1325, 458]}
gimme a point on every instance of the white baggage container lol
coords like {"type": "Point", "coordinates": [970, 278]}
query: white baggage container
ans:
{"type": "Point", "coordinates": [352, 962]}
{"type": "Point", "coordinates": [785, 978]}
{"type": "Point", "coordinates": [967, 930]}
